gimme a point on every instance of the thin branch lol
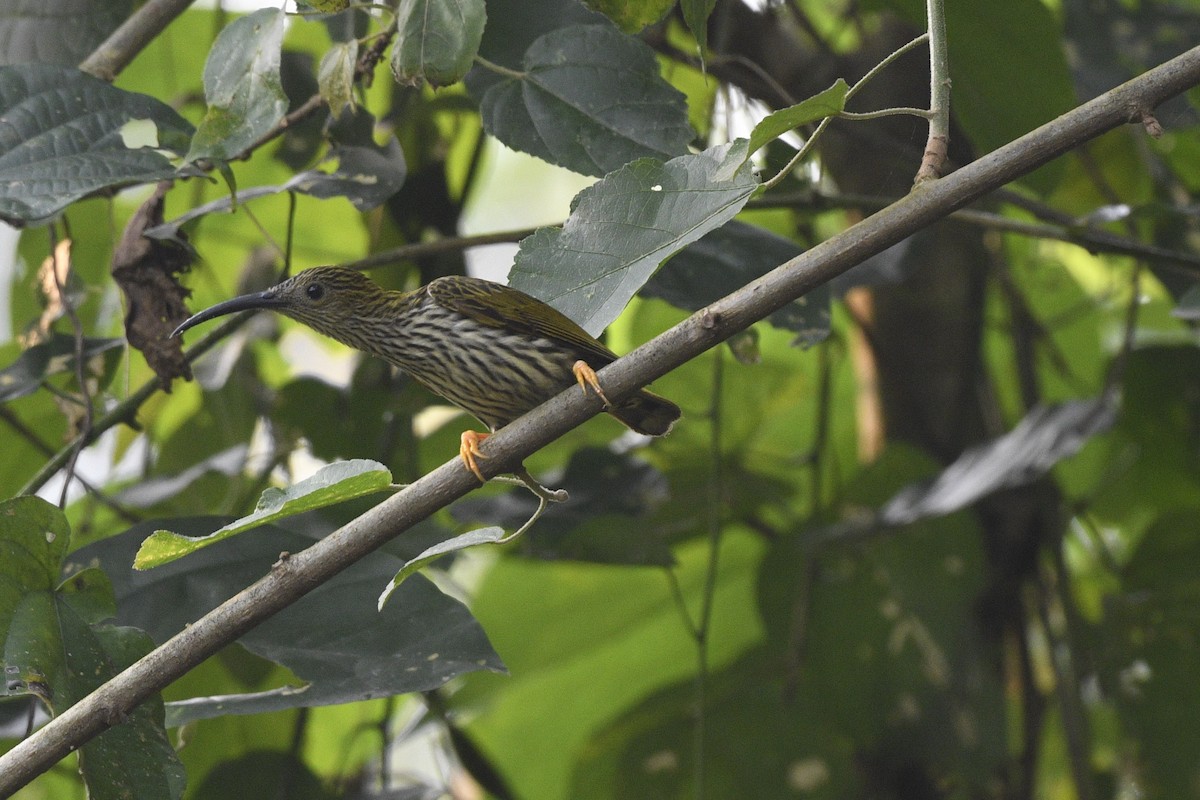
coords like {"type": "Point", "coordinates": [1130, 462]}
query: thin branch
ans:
{"type": "Point", "coordinates": [1062, 228]}
{"type": "Point", "coordinates": [123, 45]}
{"type": "Point", "coordinates": [424, 249]}
{"type": "Point", "coordinates": [937, 146]}
{"type": "Point", "coordinates": [293, 576]}
{"type": "Point", "coordinates": [126, 410]}
{"type": "Point", "coordinates": [89, 413]}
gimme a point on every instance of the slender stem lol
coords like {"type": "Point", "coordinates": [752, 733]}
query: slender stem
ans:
{"type": "Point", "coordinates": [808, 145]}
{"type": "Point", "coordinates": [423, 249]}
{"type": "Point", "coordinates": [120, 48]}
{"type": "Point", "coordinates": [716, 507]}
{"type": "Point", "coordinates": [899, 111]}
{"type": "Point", "coordinates": [492, 66]}
{"type": "Point", "coordinates": [1062, 228]}
{"type": "Point", "coordinates": [938, 144]}
{"type": "Point", "coordinates": [293, 577]}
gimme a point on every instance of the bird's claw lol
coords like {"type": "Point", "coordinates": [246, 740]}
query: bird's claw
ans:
{"type": "Point", "coordinates": [468, 451]}
{"type": "Point", "coordinates": [586, 376]}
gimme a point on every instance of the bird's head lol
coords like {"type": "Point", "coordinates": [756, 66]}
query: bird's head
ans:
{"type": "Point", "coordinates": [327, 299]}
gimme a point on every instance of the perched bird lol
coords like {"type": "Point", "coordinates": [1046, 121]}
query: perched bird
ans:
{"type": "Point", "coordinates": [489, 349]}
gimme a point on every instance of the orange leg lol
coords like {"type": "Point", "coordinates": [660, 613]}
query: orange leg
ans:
{"type": "Point", "coordinates": [586, 376]}
{"type": "Point", "coordinates": [468, 451]}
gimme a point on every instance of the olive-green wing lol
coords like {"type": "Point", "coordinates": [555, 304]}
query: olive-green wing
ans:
{"type": "Point", "coordinates": [501, 306]}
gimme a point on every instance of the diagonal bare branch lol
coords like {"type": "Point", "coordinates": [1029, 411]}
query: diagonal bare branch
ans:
{"type": "Point", "coordinates": [295, 575]}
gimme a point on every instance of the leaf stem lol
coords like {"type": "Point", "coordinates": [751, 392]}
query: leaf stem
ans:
{"type": "Point", "coordinates": [492, 66]}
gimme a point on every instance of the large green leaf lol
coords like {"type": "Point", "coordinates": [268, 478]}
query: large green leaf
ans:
{"type": "Point", "coordinates": [758, 743]}
{"type": "Point", "coordinates": [60, 32]}
{"type": "Point", "coordinates": [1149, 658]}
{"type": "Point", "coordinates": [56, 646]}
{"type": "Point", "coordinates": [436, 40]}
{"type": "Point", "coordinates": [242, 86]}
{"type": "Point", "coordinates": [625, 225]}
{"type": "Point", "coordinates": [67, 135]}
{"type": "Point", "coordinates": [589, 99]}
{"type": "Point", "coordinates": [584, 642]}
{"type": "Point", "coordinates": [333, 639]}
{"type": "Point", "coordinates": [882, 642]}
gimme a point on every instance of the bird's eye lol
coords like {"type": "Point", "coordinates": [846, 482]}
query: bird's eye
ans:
{"type": "Point", "coordinates": [315, 291]}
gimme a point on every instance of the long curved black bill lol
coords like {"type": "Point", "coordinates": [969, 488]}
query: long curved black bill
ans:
{"type": "Point", "coordinates": [247, 302]}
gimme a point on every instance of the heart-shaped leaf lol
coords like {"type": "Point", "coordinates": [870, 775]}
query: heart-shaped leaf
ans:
{"type": "Point", "coordinates": [624, 226]}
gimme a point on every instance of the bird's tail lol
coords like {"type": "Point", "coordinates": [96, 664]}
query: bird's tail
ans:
{"type": "Point", "coordinates": [647, 413]}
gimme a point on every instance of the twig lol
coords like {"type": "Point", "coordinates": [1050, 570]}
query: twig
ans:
{"type": "Point", "coordinates": [89, 414]}
{"type": "Point", "coordinates": [1061, 228]}
{"type": "Point", "coordinates": [123, 44]}
{"type": "Point", "coordinates": [407, 252]}
{"type": "Point", "coordinates": [126, 410]}
{"type": "Point", "coordinates": [295, 576]}
{"type": "Point", "coordinates": [937, 146]}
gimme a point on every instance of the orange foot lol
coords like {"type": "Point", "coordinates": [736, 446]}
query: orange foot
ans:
{"type": "Point", "coordinates": [468, 451]}
{"type": "Point", "coordinates": [586, 376]}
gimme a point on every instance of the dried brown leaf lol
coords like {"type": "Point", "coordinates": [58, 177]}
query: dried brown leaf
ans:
{"type": "Point", "coordinates": [146, 270]}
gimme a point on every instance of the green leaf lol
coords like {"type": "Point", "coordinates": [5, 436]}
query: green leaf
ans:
{"type": "Point", "coordinates": [136, 758]}
{"type": "Point", "coordinates": [1148, 656]}
{"type": "Point", "coordinates": [332, 484]}
{"type": "Point", "coordinates": [695, 16]}
{"type": "Point", "coordinates": [334, 639]}
{"type": "Point", "coordinates": [819, 106]}
{"type": "Point", "coordinates": [242, 86]}
{"type": "Point", "coordinates": [62, 32]}
{"type": "Point", "coordinates": [53, 646]}
{"type": "Point", "coordinates": [26, 374]}
{"type": "Point", "coordinates": [585, 642]}
{"type": "Point", "coordinates": [755, 745]}
{"type": "Point", "coordinates": [34, 537]}
{"type": "Point", "coordinates": [335, 76]}
{"type": "Point", "coordinates": [491, 535]}
{"type": "Point", "coordinates": [625, 225]}
{"type": "Point", "coordinates": [889, 624]}
{"type": "Point", "coordinates": [631, 16]}
{"type": "Point", "coordinates": [67, 135]}
{"type": "Point", "coordinates": [436, 40]}
{"type": "Point", "coordinates": [727, 259]}
{"type": "Point", "coordinates": [591, 100]}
